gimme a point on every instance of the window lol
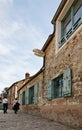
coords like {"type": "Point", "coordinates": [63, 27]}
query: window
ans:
{"type": "Point", "coordinates": [66, 23]}
{"type": "Point", "coordinates": [33, 94]}
{"type": "Point", "coordinates": [60, 86]}
{"type": "Point", "coordinates": [77, 10]}
{"type": "Point", "coordinates": [30, 96]}
{"type": "Point", "coordinates": [71, 21]}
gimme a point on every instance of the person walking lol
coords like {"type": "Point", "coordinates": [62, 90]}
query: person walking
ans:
{"type": "Point", "coordinates": [5, 104]}
{"type": "Point", "coordinates": [16, 105]}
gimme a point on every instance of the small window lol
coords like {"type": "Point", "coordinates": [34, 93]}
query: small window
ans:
{"type": "Point", "coordinates": [31, 95]}
{"type": "Point", "coordinates": [78, 14]}
{"type": "Point", "coordinates": [58, 84]}
{"type": "Point", "coordinates": [66, 23]}
{"type": "Point", "coordinates": [67, 27]}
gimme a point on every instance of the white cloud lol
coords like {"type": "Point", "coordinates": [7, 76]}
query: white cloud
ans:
{"type": "Point", "coordinates": [5, 48]}
{"type": "Point", "coordinates": [6, 1]}
{"type": "Point", "coordinates": [8, 29]}
{"type": "Point", "coordinates": [5, 6]}
{"type": "Point", "coordinates": [17, 40]}
{"type": "Point", "coordinates": [18, 56]}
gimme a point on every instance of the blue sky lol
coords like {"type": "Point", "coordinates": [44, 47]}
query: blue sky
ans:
{"type": "Point", "coordinates": [24, 25]}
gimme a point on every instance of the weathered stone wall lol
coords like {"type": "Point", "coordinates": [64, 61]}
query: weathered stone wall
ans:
{"type": "Point", "coordinates": [38, 79]}
{"type": "Point", "coordinates": [65, 110]}
{"type": "Point", "coordinates": [33, 108]}
{"type": "Point", "coordinates": [12, 90]}
{"type": "Point", "coordinates": [70, 115]}
{"type": "Point", "coordinates": [21, 83]}
{"type": "Point", "coordinates": [11, 94]}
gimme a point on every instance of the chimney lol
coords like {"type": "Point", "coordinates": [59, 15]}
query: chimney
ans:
{"type": "Point", "coordinates": [27, 75]}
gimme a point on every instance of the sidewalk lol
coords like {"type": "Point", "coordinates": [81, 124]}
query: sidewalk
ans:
{"type": "Point", "coordinates": [23, 121]}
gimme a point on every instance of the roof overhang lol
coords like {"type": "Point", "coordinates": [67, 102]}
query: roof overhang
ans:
{"type": "Point", "coordinates": [63, 2]}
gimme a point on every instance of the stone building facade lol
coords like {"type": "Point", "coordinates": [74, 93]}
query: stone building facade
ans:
{"type": "Point", "coordinates": [31, 94]}
{"type": "Point", "coordinates": [64, 108]}
{"type": "Point", "coordinates": [55, 92]}
{"type": "Point", "coordinates": [63, 66]}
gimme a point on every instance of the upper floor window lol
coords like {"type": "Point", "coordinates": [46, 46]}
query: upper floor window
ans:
{"type": "Point", "coordinates": [71, 21]}
{"type": "Point", "coordinates": [78, 14]}
{"type": "Point", "coordinates": [66, 23]}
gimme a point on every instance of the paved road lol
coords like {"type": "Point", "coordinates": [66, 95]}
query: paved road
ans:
{"type": "Point", "coordinates": [23, 121]}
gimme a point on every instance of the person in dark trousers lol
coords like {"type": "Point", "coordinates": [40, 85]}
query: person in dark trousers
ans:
{"type": "Point", "coordinates": [16, 105]}
{"type": "Point", "coordinates": [5, 104]}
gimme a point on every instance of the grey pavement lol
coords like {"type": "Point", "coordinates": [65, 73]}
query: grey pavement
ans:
{"type": "Point", "coordinates": [24, 121]}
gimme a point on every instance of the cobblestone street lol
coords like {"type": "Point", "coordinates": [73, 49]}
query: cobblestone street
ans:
{"type": "Point", "coordinates": [22, 121]}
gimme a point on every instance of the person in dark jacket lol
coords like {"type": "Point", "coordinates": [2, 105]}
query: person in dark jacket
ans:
{"type": "Point", "coordinates": [16, 105]}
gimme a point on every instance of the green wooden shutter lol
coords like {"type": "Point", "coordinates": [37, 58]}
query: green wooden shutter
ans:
{"type": "Point", "coordinates": [67, 82]}
{"type": "Point", "coordinates": [50, 90]}
{"type": "Point", "coordinates": [20, 98]}
{"type": "Point", "coordinates": [27, 96]}
{"type": "Point", "coordinates": [36, 93]}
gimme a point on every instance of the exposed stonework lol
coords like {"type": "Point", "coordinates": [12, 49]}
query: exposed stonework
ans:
{"type": "Point", "coordinates": [39, 80]}
{"type": "Point", "coordinates": [65, 110]}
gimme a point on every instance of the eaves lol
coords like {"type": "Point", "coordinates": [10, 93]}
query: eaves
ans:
{"type": "Point", "coordinates": [63, 2]}
{"type": "Point", "coordinates": [15, 83]}
{"type": "Point", "coordinates": [32, 77]}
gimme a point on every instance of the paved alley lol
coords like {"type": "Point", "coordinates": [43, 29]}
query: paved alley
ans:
{"type": "Point", "coordinates": [22, 121]}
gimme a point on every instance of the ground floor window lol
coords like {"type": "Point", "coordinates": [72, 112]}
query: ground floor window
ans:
{"type": "Point", "coordinates": [60, 86]}
{"type": "Point", "coordinates": [30, 95]}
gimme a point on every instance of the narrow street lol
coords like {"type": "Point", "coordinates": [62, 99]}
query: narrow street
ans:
{"type": "Point", "coordinates": [23, 121]}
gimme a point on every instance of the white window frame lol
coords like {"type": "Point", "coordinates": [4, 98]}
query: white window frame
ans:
{"type": "Point", "coordinates": [58, 24]}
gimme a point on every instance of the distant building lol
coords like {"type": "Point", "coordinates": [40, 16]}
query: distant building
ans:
{"type": "Point", "coordinates": [13, 89]}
